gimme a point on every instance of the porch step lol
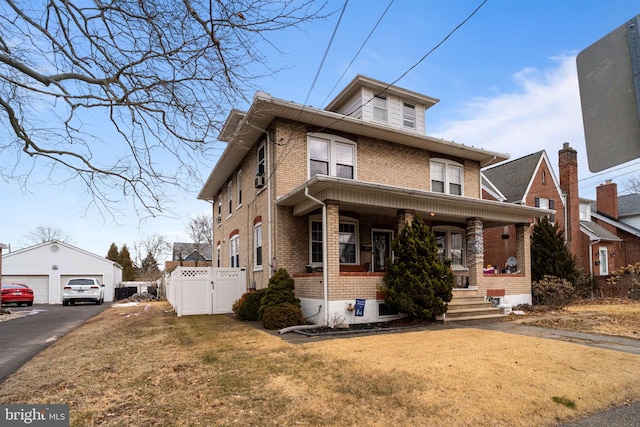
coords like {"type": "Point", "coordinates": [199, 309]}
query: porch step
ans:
{"type": "Point", "coordinates": [470, 307]}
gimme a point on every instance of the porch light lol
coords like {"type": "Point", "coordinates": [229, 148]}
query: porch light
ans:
{"type": "Point", "coordinates": [432, 214]}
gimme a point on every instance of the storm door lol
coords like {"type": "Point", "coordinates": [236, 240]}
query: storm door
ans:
{"type": "Point", "coordinates": [381, 249]}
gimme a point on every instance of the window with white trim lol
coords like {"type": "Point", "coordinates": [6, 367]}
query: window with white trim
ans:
{"type": "Point", "coordinates": [450, 242]}
{"type": "Point", "coordinates": [603, 257]}
{"type": "Point", "coordinates": [348, 241]}
{"type": "Point", "coordinates": [585, 211]}
{"type": "Point", "coordinates": [257, 245]}
{"type": "Point", "coordinates": [218, 255]}
{"type": "Point", "coordinates": [331, 155]}
{"type": "Point", "coordinates": [239, 185]}
{"type": "Point", "coordinates": [380, 108]}
{"type": "Point", "coordinates": [543, 203]}
{"type": "Point", "coordinates": [409, 115]}
{"type": "Point", "coordinates": [219, 208]}
{"type": "Point", "coordinates": [234, 250]}
{"type": "Point", "coordinates": [446, 177]}
{"type": "Point", "coordinates": [230, 196]}
{"type": "Point", "coordinates": [261, 160]}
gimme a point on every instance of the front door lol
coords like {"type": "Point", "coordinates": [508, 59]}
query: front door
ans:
{"type": "Point", "coordinates": [381, 249]}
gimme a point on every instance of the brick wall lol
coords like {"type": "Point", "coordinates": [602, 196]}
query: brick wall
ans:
{"type": "Point", "coordinates": [607, 199]}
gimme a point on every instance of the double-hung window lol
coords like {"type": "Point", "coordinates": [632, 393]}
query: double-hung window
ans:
{"type": "Point", "coordinates": [347, 241]}
{"type": "Point", "coordinates": [331, 155]}
{"type": "Point", "coordinates": [219, 208]}
{"type": "Point", "coordinates": [261, 167]}
{"type": "Point", "coordinates": [545, 204]}
{"type": "Point", "coordinates": [450, 244]}
{"type": "Point", "coordinates": [380, 108]}
{"type": "Point", "coordinates": [257, 243]}
{"type": "Point", "coordinates": [230, 196]}
{"type": "Point", "coordinates": [218, 255]}
{"type": "Point", "coordinates": [409, 116]}
{"type": "Point", "coordinates": [446, 177]}
{"type": "Point", "coordinates": [239, 185]}
{"type": "Point", "coordinates": [234, 250]}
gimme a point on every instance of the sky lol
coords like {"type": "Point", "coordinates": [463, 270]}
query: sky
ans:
{"type": "Point", "coordinates": [506, 80]}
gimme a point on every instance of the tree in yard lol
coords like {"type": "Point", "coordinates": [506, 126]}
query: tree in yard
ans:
{"type": "Point", "coordinates": [113, 254]}
{"type": "Point", "coordinates": [128, 269]}
{"type": "Point", "coordinates": [155, 244]}
{"type": "Point", "coordinates": [149, 268]}
{"type": "Point", "coordinates": [200, 230]}
{"type": "Point", "coordinates": [279, 307]}
{"type": "Point", "coordinates": [549, 254]}
{"type": "Point", "coordinates": [46, 233]}
{"type": "Point", "coordinates": [416, 282]}
{"type": "Point", "coordinates": [98, 92]}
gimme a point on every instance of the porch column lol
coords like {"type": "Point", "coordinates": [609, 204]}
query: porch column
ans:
{"type": "Point", "coordinates": [405, 216]}
{"type": "Point", "coordinates": [475, 251]}
{"type": "Point", "coordinates": [523, 251]}
{"type": "Point", "coordinates": [332, 263]}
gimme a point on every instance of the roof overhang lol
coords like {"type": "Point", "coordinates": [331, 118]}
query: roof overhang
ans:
{"type": "Point", "coordinates": [242, 130]}
{"type": "Point", "coordinates": [386, 199]}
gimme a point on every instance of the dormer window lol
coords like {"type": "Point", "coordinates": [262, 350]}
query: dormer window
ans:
{"type": "Point", "coordinates": [409, 116]}
{"type": "Point", "coordinates": [380, 108]}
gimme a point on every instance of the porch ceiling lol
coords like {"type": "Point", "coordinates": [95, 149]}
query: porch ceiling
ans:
{"type": "Point", "coordinates": [384, 199]}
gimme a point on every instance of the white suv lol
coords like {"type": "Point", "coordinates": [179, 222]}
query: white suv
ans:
{"type": "Point", "coordinates": [83, 289]}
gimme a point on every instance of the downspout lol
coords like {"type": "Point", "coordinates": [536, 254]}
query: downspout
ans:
{"type": "Point", "coordinates": [595, 242]}
{"type": "Point", "coordinates": [325, 270]}
{"type": "Point", "coordinates": [268, 172]}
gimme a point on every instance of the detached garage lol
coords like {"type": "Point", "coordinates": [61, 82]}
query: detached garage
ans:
{"type": "Point", "coordinates": [47, 267]}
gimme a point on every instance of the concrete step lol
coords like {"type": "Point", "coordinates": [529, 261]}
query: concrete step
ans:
{"type": "Point", "coordinates": [471, 307]}
{"type": "Point", "coordinates": [472, 311]}
{"type": "Point", "coordinates": [474, 319]}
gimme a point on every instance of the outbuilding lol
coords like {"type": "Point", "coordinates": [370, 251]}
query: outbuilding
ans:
{"type": "Point", "coordinates": [47, 267]}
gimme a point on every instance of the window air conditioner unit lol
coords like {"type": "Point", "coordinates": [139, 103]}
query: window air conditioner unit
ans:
{"type": "Point", "coordinates": [260, 181]}
{"type": "Point", "coordinates": [219, 219]}
{"type": "Point", "coordinates": [260, 169]}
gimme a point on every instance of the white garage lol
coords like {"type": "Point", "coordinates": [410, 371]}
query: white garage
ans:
{"type": "Point", "coordinates": [47, 267]}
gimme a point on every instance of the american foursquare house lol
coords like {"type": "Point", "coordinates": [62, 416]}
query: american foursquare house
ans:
{"type": "Point", "coordinates": [323, 193]}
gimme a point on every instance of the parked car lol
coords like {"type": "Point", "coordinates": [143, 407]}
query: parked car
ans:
{"type": "Point", "coordinates": [83, 289]}
{"type": "Point", "coordinates": [17, 293]}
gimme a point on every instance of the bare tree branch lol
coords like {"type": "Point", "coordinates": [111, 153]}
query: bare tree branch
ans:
{"type": "Point", "coordinates": [126, 97]}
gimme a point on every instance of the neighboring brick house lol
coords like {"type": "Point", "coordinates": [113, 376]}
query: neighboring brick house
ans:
{"type": "Point", "coordinates": [600, 235]}
{"type": "Point", "coordinates": [528, 181]}
{"type": "Point", "coordinates": [323, 193]}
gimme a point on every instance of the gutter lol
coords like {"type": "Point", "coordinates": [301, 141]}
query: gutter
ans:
{"type": "Point", "coordinates": [325, 270]}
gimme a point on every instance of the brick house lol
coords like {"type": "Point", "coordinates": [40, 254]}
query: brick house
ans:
{"type": "Point", "coordinates": [323, 193]}
{"type": "Point", "coordinates": [600, 235]}
{"type": "Point", "coordinates": [527, 181]}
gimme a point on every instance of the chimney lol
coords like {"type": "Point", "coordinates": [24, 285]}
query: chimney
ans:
{"type": "Point", "coordinates": [568, 166]}
{"type": "Point", "coordinates": [607, 199]}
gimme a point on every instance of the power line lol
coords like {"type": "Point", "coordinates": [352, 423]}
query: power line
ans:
{"type": "Point", "coordinates": [359, 50]}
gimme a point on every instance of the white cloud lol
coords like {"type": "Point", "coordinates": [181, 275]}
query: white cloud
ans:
{"type": "Point", "coordinates": [543, 113]}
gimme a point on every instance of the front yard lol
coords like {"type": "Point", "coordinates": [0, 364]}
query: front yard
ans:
{"type": "Point", "coordinates": [143, 366]}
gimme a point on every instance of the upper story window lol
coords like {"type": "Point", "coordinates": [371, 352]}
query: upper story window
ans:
{"type": "Point", "coordinates": [261, 160]}
{"type": "Point", "coordinates": [545, 204]}
{"type": "Point", "coordinates": [330, 155]}
{"type": "Point", "coordinates": [230, 196]}
{"type": "Point", "coordinates": [446, 177]}
{"type": "Point", "coordinates": [239, 185]}
{"type": "Point", "coordinates": [585, 211]}
{"type": "Point", "coordinates": [219, 207]}
{"type": "Point", "coordinates": [380, 108]}
{"type": "Point", "coordinates": [409, 116]}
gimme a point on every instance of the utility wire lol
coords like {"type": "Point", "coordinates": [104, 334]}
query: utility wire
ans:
{"type": "Point", "coordinates": [359, 50]}
{"type": "Point", "coordinates": [326, 52]}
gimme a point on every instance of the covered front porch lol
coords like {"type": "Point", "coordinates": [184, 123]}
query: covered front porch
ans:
{"type": "Point", "coordinates": [346, 228]}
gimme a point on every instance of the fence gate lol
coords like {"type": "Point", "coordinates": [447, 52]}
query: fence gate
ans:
{"type": "Point", "coordinates": [206, 290]}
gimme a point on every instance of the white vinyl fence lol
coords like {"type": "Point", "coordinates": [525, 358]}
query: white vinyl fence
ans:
{"type": "Point", "coordinates": [205, 290]}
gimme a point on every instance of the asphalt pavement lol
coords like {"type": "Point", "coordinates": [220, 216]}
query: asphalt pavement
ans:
{"type": "Point", "coordinates": [22, 338]}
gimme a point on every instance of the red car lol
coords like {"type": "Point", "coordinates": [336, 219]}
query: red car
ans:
{"type": "Point", "coordinates": [17, 293]}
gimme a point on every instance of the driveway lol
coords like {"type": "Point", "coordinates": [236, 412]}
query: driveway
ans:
{"type": "Point", "coordinates": [21, 339]}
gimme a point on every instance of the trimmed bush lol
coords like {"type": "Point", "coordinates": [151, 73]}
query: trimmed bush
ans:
{"type": "Point", "coordinates": [553, 292]}
{"type": "Point", "coordinates": [282, 315]}
{"type": "Point", "coordinates": [626, 280]}
{"type": "Point", "coordinates": [246, 308]}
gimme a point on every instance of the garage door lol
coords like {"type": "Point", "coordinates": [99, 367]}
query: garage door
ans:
{"type": "Point", "coordinates": [39, 284]}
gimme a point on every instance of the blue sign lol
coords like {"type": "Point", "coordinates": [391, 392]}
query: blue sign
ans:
{"type": "Point", "coordinates": [360, 306]}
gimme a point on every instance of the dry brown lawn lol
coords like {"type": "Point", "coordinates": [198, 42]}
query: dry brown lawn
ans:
{"type": "Point", "coordinates": [143, 366]}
